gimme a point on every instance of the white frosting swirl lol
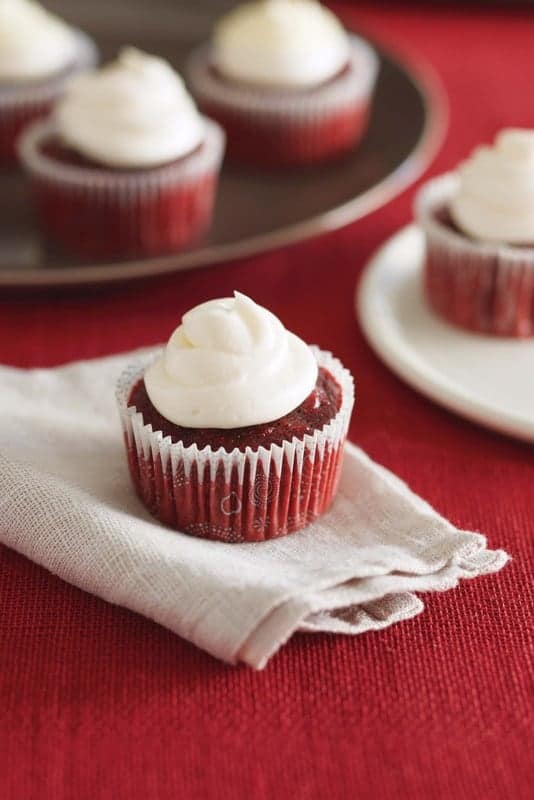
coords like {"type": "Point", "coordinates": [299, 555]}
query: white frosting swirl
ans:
{"type": "Point", "coordinates": [291, 44]}
{"type": "Point", "coordinates": [132, 113]}
{"type": "Point", "coordinates": [231, 363]}
{"type": "Point", "coordinates": [34, 44]}
{"type": "Point", "coordinates": [495, 197]}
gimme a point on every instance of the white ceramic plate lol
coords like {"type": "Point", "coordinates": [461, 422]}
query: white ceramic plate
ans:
{"type": "Point", "coordinates": [487, 379]}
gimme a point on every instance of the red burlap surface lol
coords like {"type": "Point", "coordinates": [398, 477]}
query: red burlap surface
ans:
{"type": "Point", "coordinates": [97, 703]}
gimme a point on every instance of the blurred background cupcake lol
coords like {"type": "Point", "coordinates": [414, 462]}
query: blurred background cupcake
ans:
{"type": "Point", "coordinates": [38, 54]}
{"type": "Point", "coordinates": [125, 166]}
{"type": "Point", "coordinates": [286, 81]}
{"type": "Point", "coordinates": [479, 229]}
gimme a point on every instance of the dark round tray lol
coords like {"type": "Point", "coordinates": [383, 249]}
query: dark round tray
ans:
{"type": "Point", "coordinates": [254, 211]}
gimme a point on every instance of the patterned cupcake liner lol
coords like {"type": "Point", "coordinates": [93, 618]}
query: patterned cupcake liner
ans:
{"type": "Point", "coordinates": [21, 104]}
{"type": "Point", "coordinates": [236, 496]}
{"type": "Point", "coordinates": [276, 127]}
{"type": "Point", "coordinates": [484, 287]}
{"type": "Point", "coordinates": [98, 213]}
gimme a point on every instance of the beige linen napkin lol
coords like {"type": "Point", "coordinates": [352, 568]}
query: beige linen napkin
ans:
{"type": "Point", "coordinates": [66, 503]}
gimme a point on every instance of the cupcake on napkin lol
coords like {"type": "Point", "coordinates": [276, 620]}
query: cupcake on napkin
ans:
{"type": "Point", "coordinates": [479, 229]}
{"type": "Point", "coordinates": [236, 431]}
{"type": "Point", "coordinates": [70, 507]}
{"type": "Point", "coordinates": [125, 166]}
{"type": "Point", "coordinates": [38, 54]}
{"type": "Point", "coordinates": [286, 81]}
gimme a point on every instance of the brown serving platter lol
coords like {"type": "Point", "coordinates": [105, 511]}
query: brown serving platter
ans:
{"type": "Point", "coordinates": [254, 211]}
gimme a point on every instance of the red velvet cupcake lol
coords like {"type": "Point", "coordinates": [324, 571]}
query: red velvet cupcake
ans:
{"type": "Point", "coordinates": [479, 231]}
{"type": "Point", "coordinates": [125, 167]}
{"type": "Point", "coordinates": [38, 55]}
{"type": "Point", "coordinates": [236, 431]}
{"type": "Point", "coordinates": [286, 82]}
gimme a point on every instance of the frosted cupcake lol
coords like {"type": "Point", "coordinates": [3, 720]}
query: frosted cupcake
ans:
{"type": "Point", "coordinates": [286, 81]}
{"type": "Point", "coordinates": [125, 166]}
{"type": "Point", "coordinates": [479, 229]}
{"type": "Point", "coordinates": [235, 432]}
{"type": "Point", "coordinates": [38, 54]}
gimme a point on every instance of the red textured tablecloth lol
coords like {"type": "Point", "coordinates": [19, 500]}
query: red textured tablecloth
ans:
{"type": "Point", "coordinates": [98, 703]}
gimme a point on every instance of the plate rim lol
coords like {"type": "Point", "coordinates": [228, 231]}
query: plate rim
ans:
{"type": "Point", "coordinates": [435, 102]}
{"type": "Point", "coordinates": [403, 361]}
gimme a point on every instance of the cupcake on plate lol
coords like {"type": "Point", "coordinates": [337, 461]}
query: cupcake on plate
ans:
{"type": "Point", "coordinates": [286, 81]}
{"type": "Point", "coordinates": [236, 430]}
{"type": "Point", "coordinates": [38, 54]}
{"type": "Point", "coordinates": [125, 166]}
{"type": "Point", "coordinates": [479, 229]}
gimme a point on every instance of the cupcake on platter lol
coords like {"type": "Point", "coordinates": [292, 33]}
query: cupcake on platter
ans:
{"type": "Point", "coordinates": [125, 166]}
{"type": "Point", "coordinates": [286, 81]}
{"type": "Point", "coordinates": [38, 54]}
{"type": "Point", "coordinates": [236, 430]}
{"type": "Point", "coordinates": [479, 229]}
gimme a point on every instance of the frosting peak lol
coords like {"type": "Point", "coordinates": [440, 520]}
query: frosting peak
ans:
{"type": "Point", "coordinates": [33, 42]}
{"type": "Point", "coordinates": [231, 363]}
{"type": "Point", "coordinates": [291, 44]}
{"type": "Point", "coordinates": [495, 197]}
{"type": "Point", "coordinates": [134, 112]}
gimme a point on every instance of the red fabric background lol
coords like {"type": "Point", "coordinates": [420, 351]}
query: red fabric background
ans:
{"type": "Point", "coordinates": [96, 702]}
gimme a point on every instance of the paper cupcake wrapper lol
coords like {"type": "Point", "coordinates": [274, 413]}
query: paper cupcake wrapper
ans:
{"type": "Point", "coordinates": [22, 104]}
{"type": "Point", "coordinates": [236, 496]}
{"type": "Point", "coordinates": [100, 213]}
{"type": "Point", "coordinates": [283, 127]}
{"type": "Point", "coordinates": [484, 287]}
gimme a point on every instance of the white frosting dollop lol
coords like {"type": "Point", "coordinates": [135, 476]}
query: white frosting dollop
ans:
{"type": "Point", "coordinates": [134, 112]}
{"type": "Point", "coordinates": [291, 44]}
{"type": "Point", "coordinates": [34, 44]}
{"type": "Point", "coordinates": [229, 364]}
{"type": "Point", "coordinates": [495, 197]}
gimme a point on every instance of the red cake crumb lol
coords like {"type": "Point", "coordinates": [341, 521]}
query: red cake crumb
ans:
{"type": "Point", "coordinates": [313, 414]}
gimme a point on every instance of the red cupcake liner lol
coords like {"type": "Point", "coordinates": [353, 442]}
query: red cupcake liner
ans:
{"type": "Point", "coordinates": [275, 128]}
{"type": "Point", "coordinates": [94, 213]}
{"type": "Point", "coordinates": [483, 287]}
{"type": "Point", "coordinates": [277, 142]}
{"type": "Point", "coordinates": [22, 104]}
{"type": "Point", "coordinates": [12, 123]}
{"type": "Point", "coordinates": [236, 496]}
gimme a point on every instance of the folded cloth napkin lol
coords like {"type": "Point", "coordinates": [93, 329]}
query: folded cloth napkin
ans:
{"type": "Point", "coordinates": [66, 503]}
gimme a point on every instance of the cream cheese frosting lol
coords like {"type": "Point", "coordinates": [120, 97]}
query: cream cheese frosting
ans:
{"type": "Point", "coordinates": [231, 363]}
{"type": "Point", "coordinates": [34, 43]}
{"type": "Point", "coordinates": [134, 112]}
{"type": "Point", "coordinates": [291, 44]}
{"type": "Point", "coordinates": [495, 197]}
